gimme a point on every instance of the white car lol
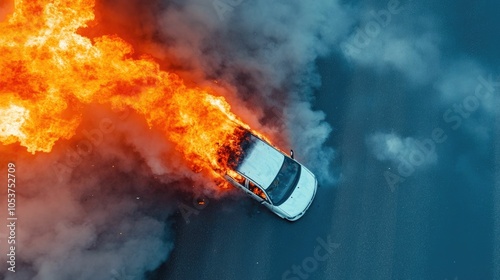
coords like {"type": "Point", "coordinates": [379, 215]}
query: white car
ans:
{"type": "Point", "coordinates": [274, 179]}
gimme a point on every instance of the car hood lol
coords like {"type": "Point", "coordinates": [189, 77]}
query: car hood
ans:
{"type": "Point", "coordinates": [302, 196]}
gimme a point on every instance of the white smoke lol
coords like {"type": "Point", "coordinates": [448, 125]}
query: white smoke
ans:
{"type": "Point", "coordinates": [393, 148]}
{"type": "Point", "coordinates": [103, 216]}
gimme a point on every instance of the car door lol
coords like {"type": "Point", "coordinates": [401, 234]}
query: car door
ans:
{"type": "Point", "coordinates": [257, 193]}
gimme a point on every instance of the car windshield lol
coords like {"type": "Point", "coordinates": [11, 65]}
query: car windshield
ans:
{"type": "Point", "coordinates": [284, 183]}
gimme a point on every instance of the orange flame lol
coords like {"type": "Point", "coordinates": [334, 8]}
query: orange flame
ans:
{"type": "Point", "coordinates": [49, 72]}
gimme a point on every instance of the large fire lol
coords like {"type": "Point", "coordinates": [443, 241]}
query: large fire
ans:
{"type": "Point", "coordinates": [49, 73]}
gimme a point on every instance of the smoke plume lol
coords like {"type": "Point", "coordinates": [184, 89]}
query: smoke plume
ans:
{"type": "Point", "coordinates": [261, 55]}
{"type": "Point", "coordinates": [99, 205]}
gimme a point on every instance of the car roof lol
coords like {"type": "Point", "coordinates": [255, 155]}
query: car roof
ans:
{"type": "Point", "coordinates": [261, 162]}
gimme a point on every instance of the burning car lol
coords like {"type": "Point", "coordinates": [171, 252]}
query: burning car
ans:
{"type": "Point", "coordinates": [274, 179]}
